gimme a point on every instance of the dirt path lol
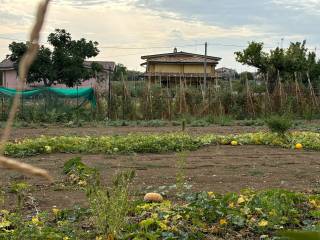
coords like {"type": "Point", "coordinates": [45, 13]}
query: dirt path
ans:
{"type": "Point", "coordinates": [19, 133]}
{"type": "Point", "coordinates": [215, 168]}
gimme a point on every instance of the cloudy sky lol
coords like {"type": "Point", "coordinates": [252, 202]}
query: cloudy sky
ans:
{"type": "Point", "coordinates": [127, 29]}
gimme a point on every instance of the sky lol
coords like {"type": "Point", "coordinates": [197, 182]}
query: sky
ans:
{"type": "Point", "coordinates": [128, 29]}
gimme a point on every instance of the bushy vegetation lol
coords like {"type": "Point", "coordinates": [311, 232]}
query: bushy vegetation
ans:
{"type": "Point", "coordinates": [154, 143]}
{"type": "Point", "coordinates": [279, 124]}
{"type": "Point", "coordinates": [137, 103]}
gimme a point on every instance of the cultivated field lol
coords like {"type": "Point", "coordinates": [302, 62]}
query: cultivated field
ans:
{"type": "Point", "coordinates": [213, 168]}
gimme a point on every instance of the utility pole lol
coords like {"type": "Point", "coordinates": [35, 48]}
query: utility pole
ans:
{"type": "Point", "coordinates": [205, 68]}
{"type": "Point", "coordinates": [282, 39]}
{"type": "Point", "coordinates": [108, 86]}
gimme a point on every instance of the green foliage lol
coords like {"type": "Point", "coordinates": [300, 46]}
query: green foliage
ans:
{"type": "Point", "coordinates": [254, 56]}
{"type": "Point", "coordinates": [79, 172]}
{"type": "Point", "coordinates": [20, 189]}
{"type": "Point", "coordinates": [133, 143]}
{"type": "Point", "coordinates": [64, 64]}
{"type": "Point", "coordinates": [154, 143]}
{"type": "Point", "coordinates": [110, 207]}
{"type": "Point", "coordinates": [244, 76]}
{"type": "Point", "coordinates": [253, 122]}
{"type": "Point", "coordinates": [120, 73]}
{"type": "Point", "coordinates": [287, 62]}
{"type": "Point", "coordinates": [279, 124]}
{"type": "Point", "coordinates": [201, 215]}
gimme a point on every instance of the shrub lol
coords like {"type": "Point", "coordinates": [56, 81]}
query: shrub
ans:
{"type": "Point", "coordinates": [279, 124]}
{"type": "Point", "coordinates": [111, 206]}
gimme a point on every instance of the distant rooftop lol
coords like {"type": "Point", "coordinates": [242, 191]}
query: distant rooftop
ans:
{"type": "Point", "coordinates": [107, 66]}
{"type": "Point", "coordinates": [7, 64]}
{"type": "Point", "coordinates": [180, 57]}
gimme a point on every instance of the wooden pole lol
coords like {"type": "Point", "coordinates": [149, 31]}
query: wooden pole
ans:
{"type": "Point", "coordinates": [205, 68]}
{"type": "Point", "coordinates": [280, 89]}
{"type": "Point", "coordinates": [312, 93]}
{"type": "Point", "coordinates": [180, 97]}
{"type": "Point", "coordinates": [109, 95]}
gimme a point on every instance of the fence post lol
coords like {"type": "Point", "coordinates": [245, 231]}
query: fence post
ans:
{"type": "Point", "coordinates": [77, 103]}
{"type": "Point", "coordinates": [22, 104]}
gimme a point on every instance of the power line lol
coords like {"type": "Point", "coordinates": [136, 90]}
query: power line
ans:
{"type": "Point", "coordinates": [152, 47]}
{"type": "Point", "coordinates": [232, 45]}
{"type": "Point", "coordinates": [11, 39]}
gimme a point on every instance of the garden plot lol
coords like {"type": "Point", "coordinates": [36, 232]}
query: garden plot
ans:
{"type": "Point", "coordinates": [196, 174]}
{"type": "Point", "coordinates": [215, 168]}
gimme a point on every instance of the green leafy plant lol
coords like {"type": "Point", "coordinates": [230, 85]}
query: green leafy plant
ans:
{"type": "Point", "coordinates": [154, 143]}
{"type": "Point", "coordinates": [279, 124]}
{"type": "Point", "coordinates": [20, 189]}
{"type": "Point", "coordinates": [111, 206]}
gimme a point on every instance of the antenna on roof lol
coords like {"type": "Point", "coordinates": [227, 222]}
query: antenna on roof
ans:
{"type": "Point", "coordinates": [175, 50]}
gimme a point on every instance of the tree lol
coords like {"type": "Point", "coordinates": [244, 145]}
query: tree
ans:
{"type": "Point", "coordinates": [296, 57]}
{"type": "Point", "coordinates": [277, 60]}
{"type": "Point", "coordinates": [313, 69]}
{"type": "Point", "coordinates": [282, 62]}
{"type": "Point", "coordinates": [64, 64]}
{"type": "Point", "coordinates": [41, 69]}
{"type": "Point", "coordinates": [244, 76]}
{"type": "Point", "coordinates": [254, 56]}
{"type": "Point", "coordinates": [120, 73]}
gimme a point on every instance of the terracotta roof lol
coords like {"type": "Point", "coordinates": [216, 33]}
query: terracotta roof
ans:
{"type": "Point", "coordinates": [184, 57]}
{"type": "Point", "coordinates": [6, 64]}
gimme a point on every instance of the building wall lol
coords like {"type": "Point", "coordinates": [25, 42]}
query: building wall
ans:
{"type": "Point", "coordinates": [180, 68]}
{"type": "Point", "coordinates": [10, 80]}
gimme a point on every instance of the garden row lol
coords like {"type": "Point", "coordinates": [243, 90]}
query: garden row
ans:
{"type": "Point", "coordinates": [114, 214]}
{"type": "Point", "coordinates": [155, 143]}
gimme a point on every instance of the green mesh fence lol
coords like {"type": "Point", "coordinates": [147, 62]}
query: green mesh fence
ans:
{"type": "Point", "coordinates": [84, 93]}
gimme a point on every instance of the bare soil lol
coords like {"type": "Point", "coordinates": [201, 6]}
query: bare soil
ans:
{"type": "Point", "coordinates": [19, 133]}
{"type": "Point", "coordinates": [214, 168]}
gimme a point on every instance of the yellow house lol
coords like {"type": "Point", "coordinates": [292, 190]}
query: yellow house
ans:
{"type": "Point", "coordinates": [175, 66]}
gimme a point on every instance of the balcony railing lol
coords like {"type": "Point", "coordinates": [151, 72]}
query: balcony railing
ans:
{"type": "Point", "coordinates": [173, 74]}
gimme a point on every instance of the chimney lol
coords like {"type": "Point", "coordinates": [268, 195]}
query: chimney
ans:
{"type": "Point", "coordinates": [175, 50]}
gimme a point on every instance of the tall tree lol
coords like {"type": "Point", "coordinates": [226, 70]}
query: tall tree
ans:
{"type": "Point", "coordinates": [288, 63]}
{"type": "Point", "coordinates": [254, 56]}
{"type": "Point", "coordinates": [277, 61]}
{"type": "Point", "coordinates": [63, 64]}
{"type": "Point", "coordinates": [296, 58]}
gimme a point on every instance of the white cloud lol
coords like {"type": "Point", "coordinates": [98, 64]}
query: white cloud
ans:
{"type": "Point", "coordinates": [308, 6]}
{"type": "Point", "coordinates": [127, 23]}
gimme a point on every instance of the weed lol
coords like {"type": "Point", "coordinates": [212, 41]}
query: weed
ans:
{"type": "Point", "coordinates": [20, 189]}
{"type": "Point", "coordinates": [181, 164]}
{"type": "Point", "coordinates": [183, 125]}
{"type": "Point", "coordinates": [110, 206]}
{"type": "Point", "coordinates": [279, 124]}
